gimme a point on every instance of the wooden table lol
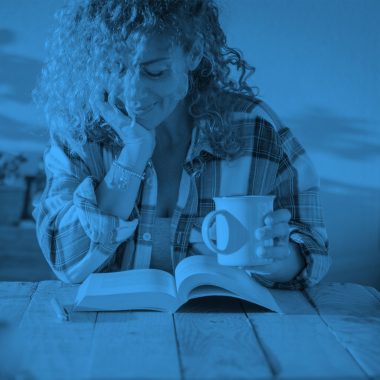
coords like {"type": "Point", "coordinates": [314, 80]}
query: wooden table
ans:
{"type": "Point", "coordinates": [331, 331]}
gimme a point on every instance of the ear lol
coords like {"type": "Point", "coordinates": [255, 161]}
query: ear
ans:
{"type": "Point", "coordinates": [196, 54]}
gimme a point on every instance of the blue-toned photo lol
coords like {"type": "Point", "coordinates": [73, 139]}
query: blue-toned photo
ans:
{"type": "Point", "coordinates": [189, 189]}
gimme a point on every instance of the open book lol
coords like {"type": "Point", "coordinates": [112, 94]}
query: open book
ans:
{"type": "Point", "coordinates": [154, 289]}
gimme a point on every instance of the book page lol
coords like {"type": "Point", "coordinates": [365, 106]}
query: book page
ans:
{"type": "Point", "coordinates": [210, 290]}
{"type": "Point", "coordinates": [198, 271]}
{"type": "Point", "coordinates": [151, 289]}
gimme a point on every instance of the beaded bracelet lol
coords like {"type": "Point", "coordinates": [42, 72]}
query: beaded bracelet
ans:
{"type": "Point", "coordinates": [120, 181]}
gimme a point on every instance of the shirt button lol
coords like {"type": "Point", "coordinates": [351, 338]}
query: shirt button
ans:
{"type": "Point", "coordinates": [149, 181]}
{"type": "Point", "coordinates": [147, 236]}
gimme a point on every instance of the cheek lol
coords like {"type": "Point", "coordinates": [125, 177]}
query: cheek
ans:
{"type": "Point", "coordinates": [175, 89]}
{"type": "Point", "coordinates": [183, 86]}
{"type": "Point", "coordinates": [167, 92]}
{"type": "Point", "coordinates": [164, 88]}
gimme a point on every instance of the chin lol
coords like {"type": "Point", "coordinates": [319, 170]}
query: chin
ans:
{"type": "Point", "coordinates": [148, 121]}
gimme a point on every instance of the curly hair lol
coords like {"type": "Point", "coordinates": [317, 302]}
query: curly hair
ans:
{"type": "Point", "coordinates": [85, 50]}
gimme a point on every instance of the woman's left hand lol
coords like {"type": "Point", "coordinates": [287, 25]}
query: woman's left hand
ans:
{"type": "Point", "coordinates": [286, 259]}
{"type": "Point", "coordinates": [276, 228]}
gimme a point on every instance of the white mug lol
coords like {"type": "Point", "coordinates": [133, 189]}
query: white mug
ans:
{"type": "Point", "coordinates": [237, 218]}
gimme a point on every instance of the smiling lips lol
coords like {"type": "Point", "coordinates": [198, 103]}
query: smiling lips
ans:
{"type": "Point", "coordinates": [140, 110]}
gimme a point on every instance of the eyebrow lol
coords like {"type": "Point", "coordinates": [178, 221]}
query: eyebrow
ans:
{"type": "Point", "coordinates": [154, 61]}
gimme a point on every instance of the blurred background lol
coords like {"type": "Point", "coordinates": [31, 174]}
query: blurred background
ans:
{"type": "Point", "coordinates": [317, 65]}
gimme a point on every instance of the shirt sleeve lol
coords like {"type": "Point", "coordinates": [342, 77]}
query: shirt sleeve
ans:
{"type": "Point", "coordinates": [297, 189]}
{"type": "Point", "coordinates": [75, 236]}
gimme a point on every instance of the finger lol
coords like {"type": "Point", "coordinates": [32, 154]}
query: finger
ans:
{"type": "Point", "coordinates": [114, 100]}
{"type": "Point", "coordinates": [202, 249]}
{"type": "Point", "coordinates": [121, 106]}
{"type": "Point", "coordinates": [111, 98]}
{"type": "Point", "coordinates": [116, 103]}
{"type": "Point", "coordinates": [97, 100]}
{"type": "Point", "coordinates": [105, 103]}
{"type": "Point", "coordinates": [256, 270]}
{"type": "Point", "coordinates": [277, 216]}
{"type": "Point", "coordinates": [112, 116]}
{"type": "Point", "coordinates": [279, 230]}
{"type": "Point", "coordinates": [267, 268]}
{"type": "Point", "coordinates": [276, 252]}
{"type": "Point", "coordinates": [135, 129]}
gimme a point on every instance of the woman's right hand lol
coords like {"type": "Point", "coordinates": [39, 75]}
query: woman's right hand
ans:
{"type": "Point", "coordinates": [138, 140]}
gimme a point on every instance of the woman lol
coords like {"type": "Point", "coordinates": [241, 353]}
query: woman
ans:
{"type": "Point", "coordinates": [147, 126]}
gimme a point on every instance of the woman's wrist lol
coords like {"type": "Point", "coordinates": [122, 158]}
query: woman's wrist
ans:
{"type": "Point", "coordinates": [135, 161]}
{"type": "Point", "coordinates": [120, 177]}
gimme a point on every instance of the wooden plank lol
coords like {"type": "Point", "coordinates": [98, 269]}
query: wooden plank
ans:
{"type": "Point", "coordinates": [14, 299]}
{"type": "Point", "coordinates": [215, 340]}
{"type": "Point", "coordinates": [352, 312]}
{"type": "Point", "coordinates": [298, 344]}
{"type": "Point", "coordinates": [49, 348]}
{"type": "Point", "coordinates": [134, 345]}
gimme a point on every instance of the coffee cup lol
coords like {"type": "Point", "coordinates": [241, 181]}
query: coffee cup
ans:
{"type": "Point", "coordinates": [236, 219]}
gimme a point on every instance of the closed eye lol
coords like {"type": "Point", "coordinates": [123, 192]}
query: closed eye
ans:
{"type": "Point", "coordinates": [155, 74]}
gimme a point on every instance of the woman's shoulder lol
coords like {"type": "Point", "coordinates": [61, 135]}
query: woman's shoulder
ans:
{"type": "Point", "coordinates": [246, 107]}
{"type": "Point", "coordinates": [245, 111]}
{"type": "Point", "coordinates": [236, 102]}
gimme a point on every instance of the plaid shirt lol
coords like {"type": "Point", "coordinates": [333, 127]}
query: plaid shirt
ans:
{"type": "Point", "coordinates": [77, 238]}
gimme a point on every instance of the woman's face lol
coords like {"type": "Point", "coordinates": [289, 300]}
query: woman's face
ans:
{"type": "Point", "coordinates": [156, 80]}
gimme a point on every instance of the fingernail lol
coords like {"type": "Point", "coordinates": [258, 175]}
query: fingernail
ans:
{"type": "Point", "coordinates": [268, 220]}
{"type": "Point", "coordinates": [259, 234]}
{"type": "Point", "coordinates": [260, 251]}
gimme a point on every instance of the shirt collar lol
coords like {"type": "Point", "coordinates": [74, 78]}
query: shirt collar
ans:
{"type": "Point", "coordinates": [199, 143]}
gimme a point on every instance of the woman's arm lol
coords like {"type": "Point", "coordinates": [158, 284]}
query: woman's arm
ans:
{"type": "Point", "coordinates": [81, 220]}
{"type": "Point", "coordinates": [115, 200]}
{"type": "Point", "coordinates": [297, 191]}
{"type": "Point", "coordinates": [139, 143]}
{"type": "Point", "coordinates": [75, 235]}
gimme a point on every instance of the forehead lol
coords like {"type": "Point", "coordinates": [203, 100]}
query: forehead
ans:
{"type": "Point", "coordinates": [145, 48]}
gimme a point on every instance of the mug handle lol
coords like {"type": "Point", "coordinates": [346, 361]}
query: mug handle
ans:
{"type": "Point", "coordinates": [207, 222]}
